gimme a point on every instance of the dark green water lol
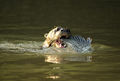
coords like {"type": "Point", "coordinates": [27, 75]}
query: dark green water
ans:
{"type": "Point", "coordinates": [26, 21]}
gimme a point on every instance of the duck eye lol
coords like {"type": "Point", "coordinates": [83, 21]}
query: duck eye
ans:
{"type": "Point", "coordinates": [58, 29]}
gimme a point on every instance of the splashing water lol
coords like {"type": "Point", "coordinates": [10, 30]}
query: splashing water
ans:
{"type": "Point", "coordinates": [75, 44]}
{"type": "Point", "coordinates": [26, 46]}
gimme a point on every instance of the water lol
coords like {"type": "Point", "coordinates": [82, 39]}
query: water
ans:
{"type": "Point", "coordinates": [23, 24]}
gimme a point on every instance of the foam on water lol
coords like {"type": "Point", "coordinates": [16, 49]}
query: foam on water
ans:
{"type": "Point", "coordinates": [31, 46]}
{"type": "Point", "coordinates": [75, 44]}
{"type": "Point", "coordinates": [28, 46]}
{"type": "Point", "coordinates": [35, 47]}
{"type": "Point", "coordinates": [25, 46]}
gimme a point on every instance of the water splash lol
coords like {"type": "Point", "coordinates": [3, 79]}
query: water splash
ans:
{"type": "Point", "coordinates": [75, 44]}
{"type": "Point", "coordinates": [24, 46]}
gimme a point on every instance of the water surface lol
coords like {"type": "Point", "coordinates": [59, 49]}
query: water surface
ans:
{"type": "Point", "coordinates": [26, 21]}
